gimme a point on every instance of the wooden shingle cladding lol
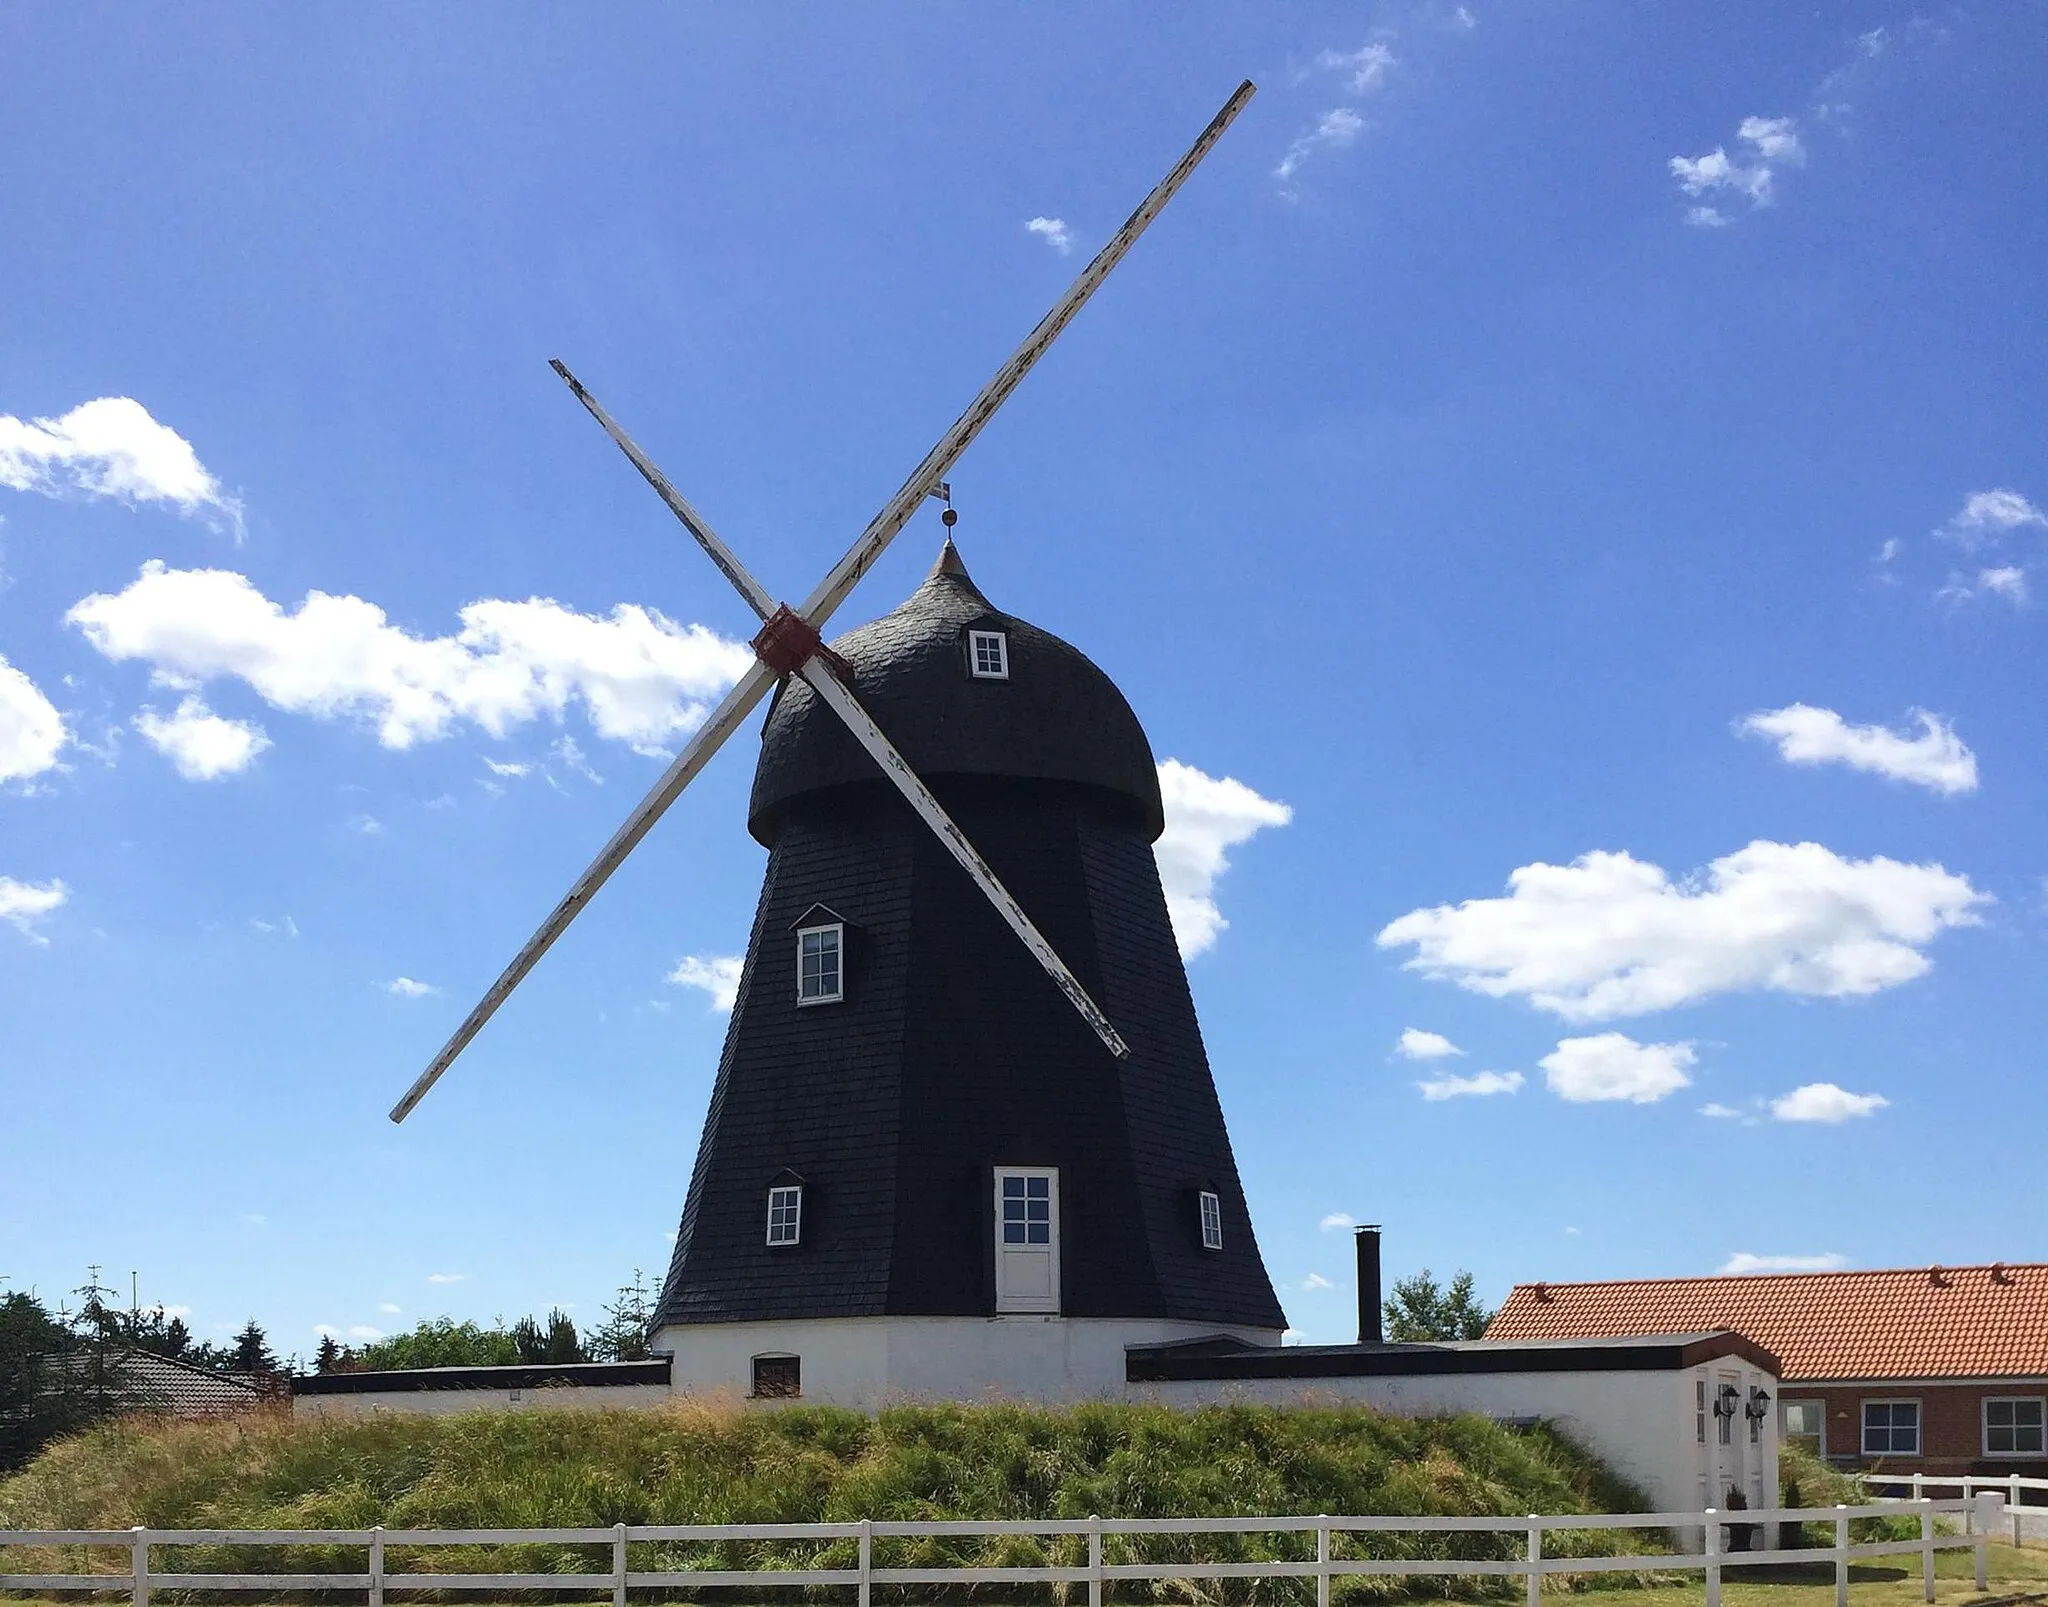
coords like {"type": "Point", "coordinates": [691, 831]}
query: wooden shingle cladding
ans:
{"type": "Point", "coordinates": [952, 1054]}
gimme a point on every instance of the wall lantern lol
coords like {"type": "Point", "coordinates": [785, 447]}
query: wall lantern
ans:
{"type": "Point", "coordinates": [1725, 1400]}
{"type": "Point", "coordinates": [1759, 1406]}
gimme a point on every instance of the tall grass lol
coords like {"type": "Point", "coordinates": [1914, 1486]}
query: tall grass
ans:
{"type": "Point", "coordinates": [689, 1463]}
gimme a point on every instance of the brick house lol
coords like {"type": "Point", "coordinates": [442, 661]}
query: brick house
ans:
{"type": "Point", "coordinates": [1938, 1370]}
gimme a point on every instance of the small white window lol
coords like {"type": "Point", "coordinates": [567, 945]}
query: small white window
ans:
{"type": "Point", "coordinates": [1212, 1221]}
{"type": "Point", "coordinates": [785, 1213]}
{"type": "Point", "coordinates": [820, 977]}
{"type": "Point", "coordinates": [1805, 1424]}
{"type": "Point", "coordinates": [2015, 1427]}
{"type": "Point", "coordinates": [988, 655]}
{"type": "Point", "coordinates": [1891, 1428]}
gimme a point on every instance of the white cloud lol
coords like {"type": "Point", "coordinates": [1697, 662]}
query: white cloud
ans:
{"type": "Point", "coordinates": [1987, 517]}
{"type": "Point", "coordinates": [2007, 580]}
{"type": "Point", "coordinates": [22, 903]}
{"type": "Point", "coordinates": [1336, 1220]}
{"type": "Point", "coordinates": [1936, 758]}
{"type": "Point", "coordinates": [447, 1277]}
{"type": "Point", "coordinates": [109, 448]}
{"type": "Point", "coordinates": [1054, 232]}
{"type": "Point", "coordinates": [31, 729]}
{"type": "Point", "coordinates": [1892, 547]}
{"type": "Point", "coordinates": [1721, 1112]}
{"type": "Point", "coordinates": [1416, 1044]}
{"type": "Point", "coordinates": [1480, 1083]}
{"type": "Point", "coordinates": [1743, 1262]}
{"type": "Point", "coordinates": [406, 988]}
{"type": "Point", "coordinates": [1824, 1102]}
{"type": "Point", "coordinates": [1462, 18]}
{"type": "Point", "coordinates": [716, 974]}
{"type": "Point", "coordinates": [387, 1308]}
{"type": "Point", "coordinates": [641, 677]}
{"type": "Point", "coordinates": [1775, 138]}
{"type": "Point", "coordinates": [1334, 130]}
{"type": "Point", "coordinates": [363, 1330]}
{"type": "Point", "coordinates": [283, 923]}
{"type": "Point", "coordinates": [366, 825]}
{"type": "Point", "coordinates": [1612, 1065]}
{"type": "Point", "coordinates": [1773, 143]}
{"type": "Point", "coordinates": [1205, 819]}
{"type": "Point", "coordinates": [1368, 65]}
{"type": "Point", "coordinates": [1315, 1281]}
{"type": "Point", "coordinates": [497, 768]}
{"type": "Point", "coordinates": [1610, 935]}
{"type": "Point", "coordinates": [569, 754]}
{"type": "Point", "coordinates": [202, 744]}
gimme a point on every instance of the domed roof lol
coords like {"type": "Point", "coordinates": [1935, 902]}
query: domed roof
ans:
{"type": "Point", "coordinates": [1054, 717]}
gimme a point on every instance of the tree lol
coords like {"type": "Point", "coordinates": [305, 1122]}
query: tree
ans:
{"type": "Point", "coordinates": [252, 1350]}
{"type": "Point", "coordinates": [1421, 1310]}
{"type": "Point", "coordinates": [440, 1342]}
{"type": "Point", "coordinates": [41, 1397]}
{"type": "Point", "coordinates": [622, 1336]}
{"type": "Point", "coordinates": [556, 1343]}
{"type": "Point", "coordinates": [328, 1358]}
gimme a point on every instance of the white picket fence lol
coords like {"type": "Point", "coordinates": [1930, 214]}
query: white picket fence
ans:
{"type": "Point", "coordinates": [1980, 1518]}
{"type": "Point", "coordinates": [2010, 1485]}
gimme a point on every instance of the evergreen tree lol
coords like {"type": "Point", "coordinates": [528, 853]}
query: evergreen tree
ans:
{"type": "Point", "coordinates": [1421, 1310]}
{"type": "Point", "coordinates": [40, 1397]}
{"type": "Point", "coordinates": [328, 1358]}
{"type": "Point", "coordinates": [622, 1336]}
{"type": "Point", "coordinates": [252, 1352]}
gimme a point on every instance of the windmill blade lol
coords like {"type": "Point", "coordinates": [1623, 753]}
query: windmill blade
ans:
{"type": "Point", "coordinates": [843, 703]}
{"type": "Point", "coordinates": [710, 737]}
{"type": "Point", "coordinates": [831, 591]}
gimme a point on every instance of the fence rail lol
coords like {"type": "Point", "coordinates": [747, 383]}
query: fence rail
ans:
{"type": "Point", "coordinates": [2009, 1485]}
{"type": "Point", "coordinates": [1981, 1514]}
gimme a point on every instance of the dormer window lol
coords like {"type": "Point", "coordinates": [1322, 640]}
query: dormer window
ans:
{"type": "Point", "coordinates": [1212, 1220]}
{"type": "Point", "coordinates": [785, 1214]}
{"type": "Point", "coordinates": [988, 655]}
{"type": "Point", "coordinates": [820, 964]}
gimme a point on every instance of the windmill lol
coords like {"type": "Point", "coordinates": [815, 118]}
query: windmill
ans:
{"type": "Point", "coordinates": [788, 649]}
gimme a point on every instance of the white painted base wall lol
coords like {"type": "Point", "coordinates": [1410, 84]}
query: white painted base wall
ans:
{"type": "Point", "coordinates": [1641, 1424]}
{"type": "Point", "coordinates": [867, 1362]}
{"type": "Point", "coordinates": [436, 1402]}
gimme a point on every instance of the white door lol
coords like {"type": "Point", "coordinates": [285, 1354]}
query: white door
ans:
{"type": "Point", "coordinates": [1027, 1238]}
{"type": "Point", "coordinates": [1731, 1437]}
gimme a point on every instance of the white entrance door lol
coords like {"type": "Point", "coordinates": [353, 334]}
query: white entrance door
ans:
{"type": "Point", "coordinates": [1027, 1238]}
{"type": "Point", "coordinates": [1731, 1438]}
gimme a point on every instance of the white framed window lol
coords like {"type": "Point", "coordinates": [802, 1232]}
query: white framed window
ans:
{"type": "Point", "coordinates": [1891, 1428]}
{"type": "Point", "coordinates": [1805, 1423]}
{"type": "Point", "coordinates": [1699, 1412]}
{"type": "Point", "coordinates": [2015, 1426]}
{"type": "Point", "coordinates": [820, 964]}
{"type": "Point", "coordinates": [786, 1214]}
{"type": "Point", "coordinates": [988, 655]}
{"type": "Point", "coordinates": [1212, 1220]}
{"type": "Point", "coordinates": [1027, 1223]}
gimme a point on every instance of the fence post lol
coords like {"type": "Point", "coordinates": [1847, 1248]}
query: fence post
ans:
{"type": "Point", "coordinates": [1927, 1548]}
{"type": "Point", "coordinates": [618, 1565]}
{"type": "Point", "coordinates": [2013, 1506]}
{"type": "Point", "coordinates": [1918, 1480]}
{"type": "Point", "coordinates": [1986, 1515]}
{"type": "Point", "coordinates": [138, 1565]}
{"type": "Point", "coordinates": [1094, 1560]}
{"type": "Point", "coordinates": [377, 1566]}
{"type": "Point", "coordinates": [1535, 1592]}
{"type": "Point", "coordinates": [1323, 1560]}
{"type": "Point", "coordinates": [1712, 1547]}
{"type": "Point", "coordinates": [867, 1560]}
{"type": "Point", "coordinates": [1841, 1555]}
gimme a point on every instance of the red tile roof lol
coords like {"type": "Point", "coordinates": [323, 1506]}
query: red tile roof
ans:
{"type": "Point", "coordinates": [1917, 1322]}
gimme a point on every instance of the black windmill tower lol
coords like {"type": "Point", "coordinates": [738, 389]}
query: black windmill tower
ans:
{"type": "Point", "coordinates": [908, 1121]}
{"type": "Point", "coordinates": [932, 1158]}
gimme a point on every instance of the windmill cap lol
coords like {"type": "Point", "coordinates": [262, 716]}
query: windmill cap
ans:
{"type": "Point", "coordinates": [1056, 717]}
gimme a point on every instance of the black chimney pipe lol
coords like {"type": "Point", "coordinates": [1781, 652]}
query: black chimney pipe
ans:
{"type": "Point", "coordinates": [1369, 1330]}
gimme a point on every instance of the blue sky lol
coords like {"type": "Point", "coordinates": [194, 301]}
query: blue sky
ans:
{"type": "Point", "coordinates": [1576, 472]}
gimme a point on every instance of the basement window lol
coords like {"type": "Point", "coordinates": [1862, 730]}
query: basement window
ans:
{"type": "Point", "coordinates": [2014, 1427]}
{"type": "Point", "coordinates": [820, 975]}
{"type": "Point", "coordinates": [988, 655]}
{"type": "Point", "coordinates": [778, 1378]}
{"type": "Point", "coordinates": [785, 1214]}
{"type": "Point", "coordinates": [1212, 1221]}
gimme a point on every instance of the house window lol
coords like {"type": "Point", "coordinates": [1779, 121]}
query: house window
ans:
{"type": "Point", "coordinates": [778, 1378]}
{"type": "Point", "coordinates": [1806, 1424]}
{"type": "Point", "coordinates": [2014, 1427]}
{"type": "Point", "coordinates": [1891, 1428]}
{"type": "Point", "coordinates": [785, 1213]}
{"type": "Point", "coordinates": [988, 655]}
{"type": "Point", "coordinates": [1212, 1221]}
{"type": "Point", "coordinates": [1027, 1223]}
{"type": "Point", "coordinates": [1699, 1410]}
{"type": "Point", "coordinates": [820, 977]}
